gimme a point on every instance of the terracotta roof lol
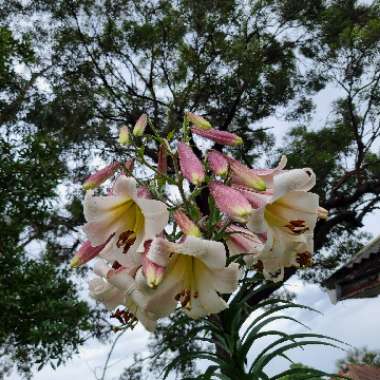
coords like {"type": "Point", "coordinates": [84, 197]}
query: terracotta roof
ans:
{"type": "Point", "coordinates": [362, 372]}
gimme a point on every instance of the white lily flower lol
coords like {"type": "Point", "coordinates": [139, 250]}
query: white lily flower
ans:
{"type": "Point", "coordinates": [130, 219]}
{"type": "Point", "coordinates": [195, 273]}
{"type": "Point", "coordinates": [287, 216]}
{"type": "Point", "coordinates": [283, 251]}
{"type": "Point", "coordinates": [120, 288]}
{"type": "Point", "coordinates": [104, 292]}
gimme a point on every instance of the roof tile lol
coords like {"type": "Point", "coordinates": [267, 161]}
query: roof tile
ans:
{"type": "Point", "coordinates": [362, 372]}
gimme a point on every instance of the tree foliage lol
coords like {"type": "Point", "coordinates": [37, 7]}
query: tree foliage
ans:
{"type": "Point", "coordinates": [42, 319]}
{"type": "Point", "coordinates": [360, 356]}
{"type": "Point", "coordinates": [301, 375]}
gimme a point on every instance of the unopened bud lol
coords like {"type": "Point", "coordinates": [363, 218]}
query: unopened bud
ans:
{"type": "Point", "coordinates": [198, 121]}
{"type": "Point", "coordinates": [242, 241]}
{"type": "Point", "coordinates": [243, 175]}
{"type": "Point", "coordinates": [191, 167]}
{"type": "Point", "coordinates": [162, 166]}
{"type": "Point", "coordinates": [217, 162]}
{"type": "Point", "coordinates": [86, 253]}
{"type": "Point", "coordinates": [123, 136]}
{"type": "Point", "coordinates": [153, 272]}
{"type": "Point", "coordinates": [230, 201]}
{"type": "Point", "coordinates": [220, 137]}
{"type": "Point", "coordinates": [96, 179]}
{"type": "Point", "coordinates": [129, 165]}
{"type": "Point", "coordinates": [140, 125]}
{"type": "Point", "coordinates": [187, 226]}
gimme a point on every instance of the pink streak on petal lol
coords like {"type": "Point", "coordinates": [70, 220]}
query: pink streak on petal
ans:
{"type": "Point", "coordinates": [143, 192]}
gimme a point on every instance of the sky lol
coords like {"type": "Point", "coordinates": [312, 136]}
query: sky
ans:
{"type": "Point", "coordinates": [353, 321]}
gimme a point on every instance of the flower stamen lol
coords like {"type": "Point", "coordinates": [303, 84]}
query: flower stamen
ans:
{"type": "Point", "coordinates": [297, 226]}
{"type": "Point", "coordinates": [304, 259]}
{"type": "Point", "coordinates": [184, 298]}
{"type": "Point", "coordinates": [126, 240]}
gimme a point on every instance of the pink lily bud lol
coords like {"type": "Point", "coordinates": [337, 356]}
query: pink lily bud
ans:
{"type": "Point", "coordinates": [153, 272]}
{"type": "Point", "coordinates": [242, 241]}
{"type": "Point", "coordinates": [158, 251]}
{"type": "Point", "coordinates": [243, 175]}
{"type": "Point", "coordinates": [86, 253]}
{"type": "Point", "coordinates": [187, 226]}
{"type": "Point", "coordinates": [162, 166]}
{"type": "Point", "coordinates": [129, 165]}
{"type": "Point", "coordinates": [218, 162]}
{"type": "Point", "coordinates": [96, 179]}
{"type": "Point", "coordinates": [140, 125]}
{"type": "Point", "coordinates": [123, 136]}
{"type": "Point", "coordinates": [198, 121]}
{"type": "Point", "coordinates": [143, 192]}
{"type": "Point", "coordinates": [230, 201]}
{"type": "Point", "coordinates": [191, 167]}
{"type": "Point", "coordinates": [220, 137]}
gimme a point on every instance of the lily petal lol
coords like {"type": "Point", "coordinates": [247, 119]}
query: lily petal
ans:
{"type": "Point", "coordinates": [293, 180]}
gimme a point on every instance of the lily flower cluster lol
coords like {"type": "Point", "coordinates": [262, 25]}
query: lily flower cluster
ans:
{"type": "Point", "coordinates": [153, 255]}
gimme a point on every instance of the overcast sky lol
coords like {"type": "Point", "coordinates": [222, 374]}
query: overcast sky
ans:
{"type": "Point", "coordinates": [354, 321]}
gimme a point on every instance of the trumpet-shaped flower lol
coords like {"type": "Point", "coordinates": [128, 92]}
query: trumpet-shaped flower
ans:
{"type": "Point", "coordinates": [131, 220]}
{"type": "Point", "coordinates": [230, 201]}
{"type": "Point", "coordinates": [217, 162]}
{"type": "Point", "coordinates": [288, 218]}
{"type": "Point", "coordinates": [104, 292]}
{"type": "Point", "coordinates": [220, 137]}
{"type": "Point", "coordinates": [191, 167]}
{"type": "Point", "coordinates": [282, 251]}
{"type": "Point", "coordinates": [195, 274]}
{"type": "Point", "coordinates": [293, 180]}
{"type": "Point", "coordinates": [118, 287]}
{"type": "Point", "coordinates": [96, 179]}
{"type": "Point", "coordinates": [198, 121]}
